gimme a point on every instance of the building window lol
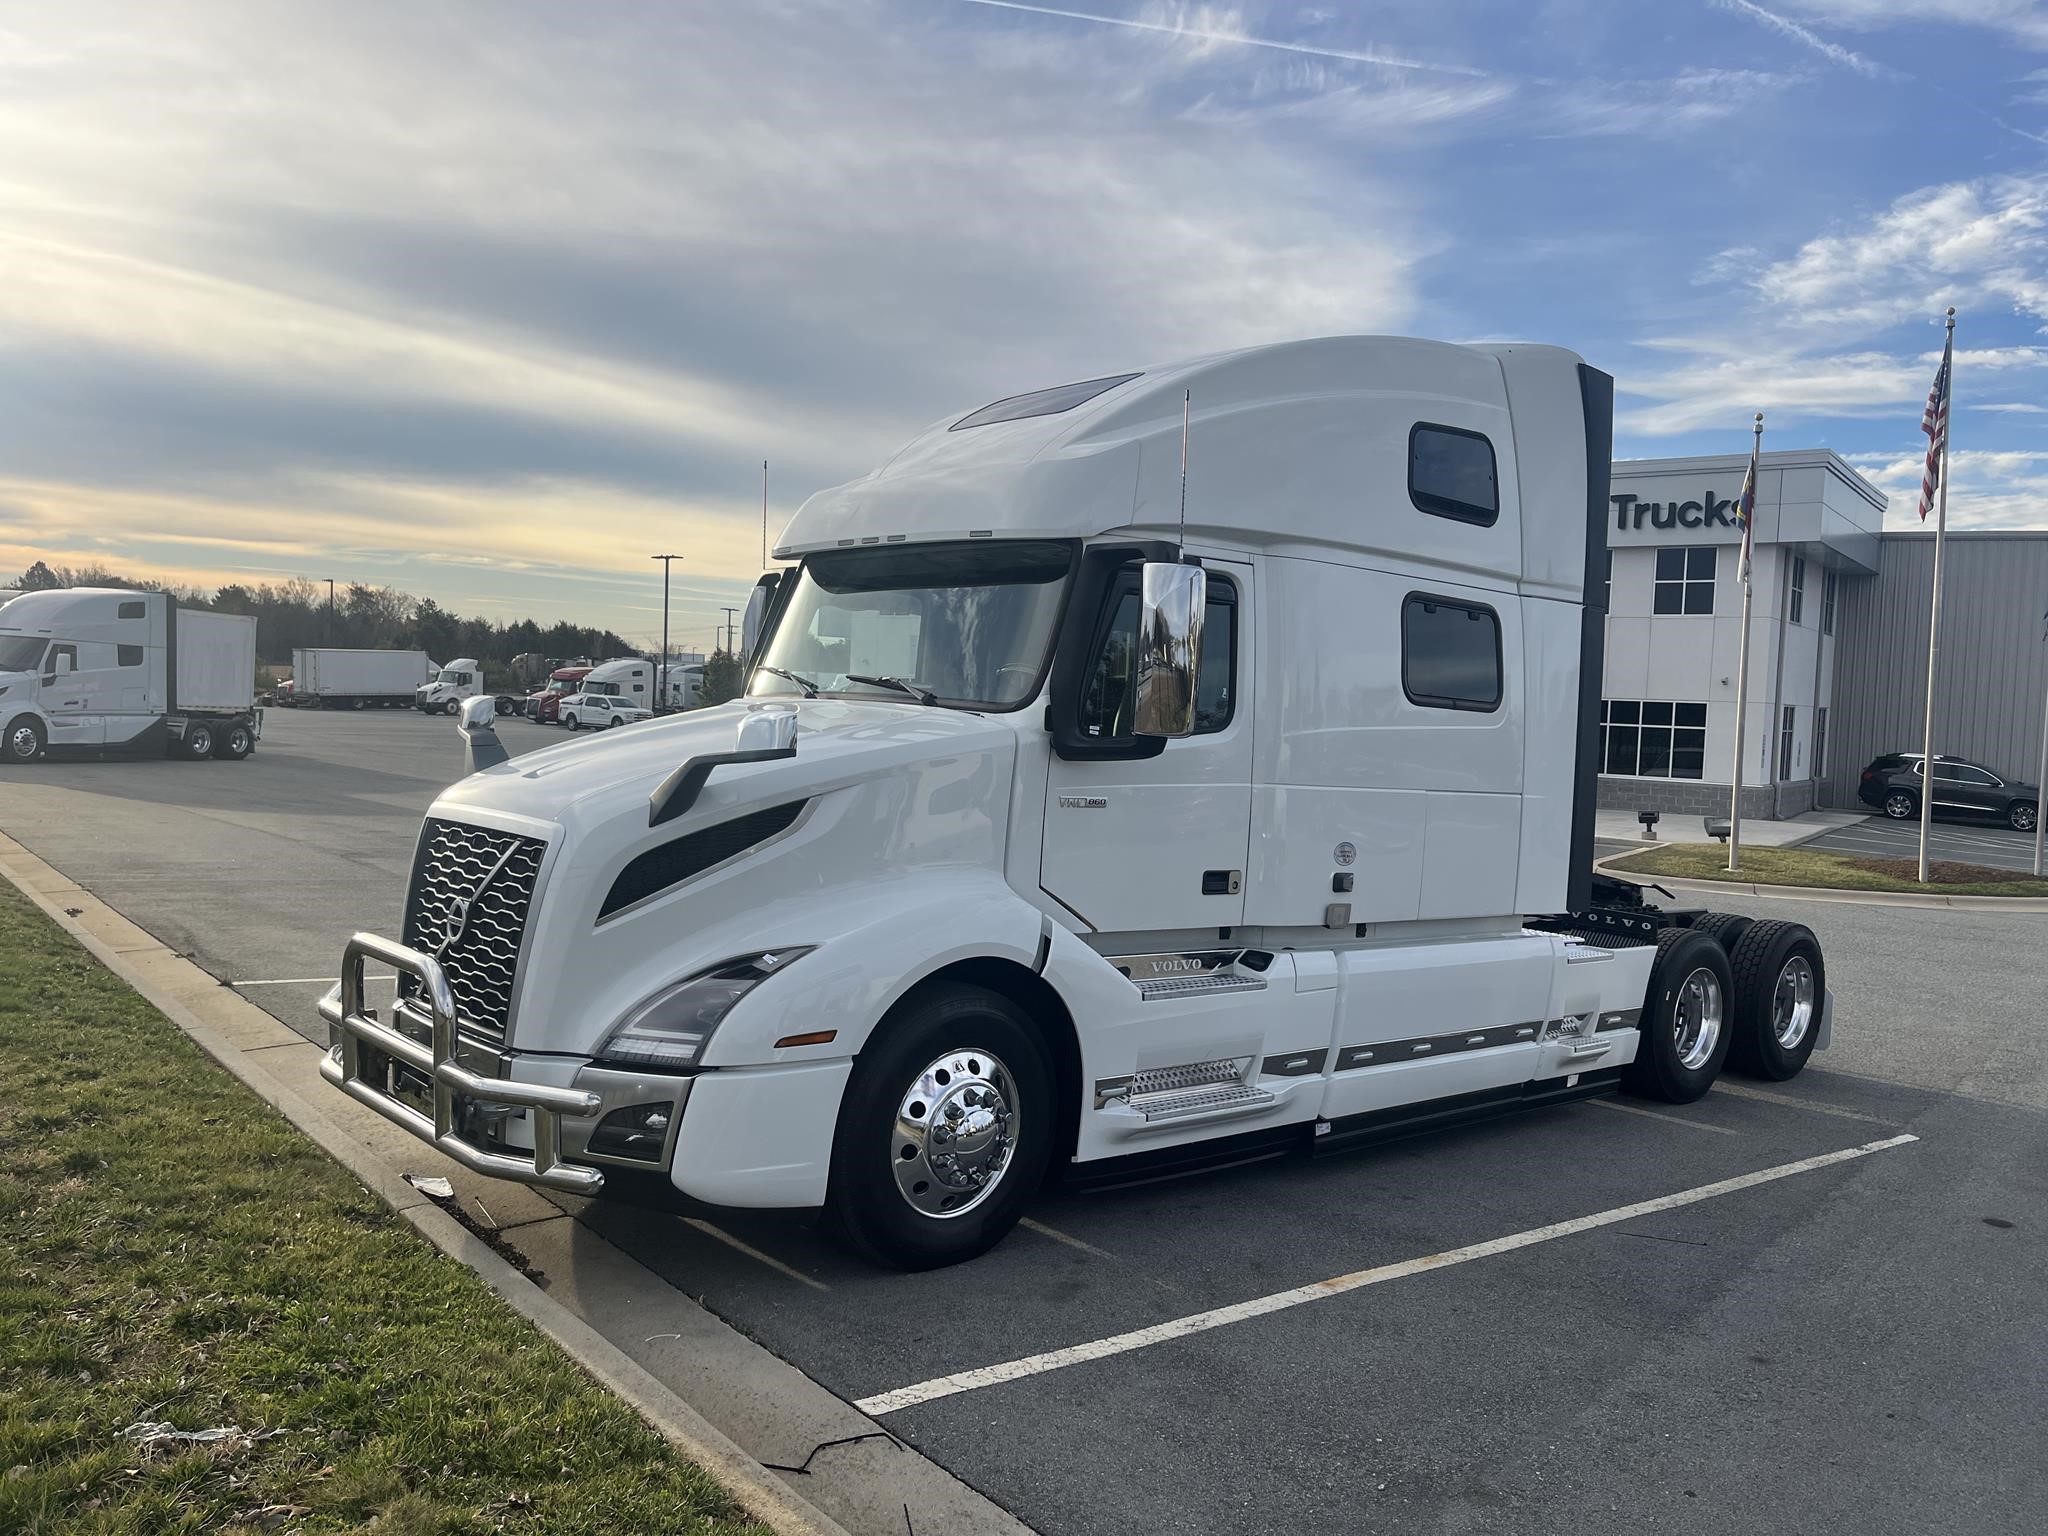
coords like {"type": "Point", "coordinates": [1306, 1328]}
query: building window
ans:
{"type": "Point", "coordinates": [1820, 720]}
{"type": "Point", "coordinates": [129, 655]}
{"type": "Point", "coordinates": [1827, 618]}
{"type": "Point", "coordinates": [1450, 654]}
{"type": "Point", "coordinates": [1649, 739]}
{"type": "Point", "coordinates": [1685, 580]}
{"type": "Point", "coordinates": [1785, 745]}
{"type": "Point", "coordinates": [1451, 474]}
{"type": "Point", "coordinates": [1797, 610]}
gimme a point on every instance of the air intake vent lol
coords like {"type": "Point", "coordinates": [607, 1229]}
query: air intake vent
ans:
{"type": "Point", "coordinates": [672, 863]}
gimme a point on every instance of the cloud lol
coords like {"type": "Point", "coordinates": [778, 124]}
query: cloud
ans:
{"type": "Point", "coordinates": [1716, 384]}
{"type": "Point", "coordinates": [2021, 20]}
{"type": "Point", "coordinates": [1806, 37]}
{"type": "Point", "coordinates": [2003, 489]}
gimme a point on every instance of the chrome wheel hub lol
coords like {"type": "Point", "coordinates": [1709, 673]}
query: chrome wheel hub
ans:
{"type": "Point", "coordinates": [1792, 1002]}
{"type": "Point", "coordinates": [954, 1133]}
{"type": "Point", "coordinates": [1696, 1022]}
{"type": "Point", "coordinates": [22, 743]}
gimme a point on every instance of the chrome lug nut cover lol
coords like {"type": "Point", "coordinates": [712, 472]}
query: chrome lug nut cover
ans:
{"type": "Point", "coordinates": [955, 1127]}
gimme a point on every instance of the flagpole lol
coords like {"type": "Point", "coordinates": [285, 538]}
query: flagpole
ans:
{"type": "Point", "coordinates": [1934, 611]}
{"type": "Point", "coordinates": [1742, 668]}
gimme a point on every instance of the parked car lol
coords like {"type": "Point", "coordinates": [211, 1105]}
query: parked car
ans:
{"type": "Point", "coordinates": [600, 711]}
{"type": "Point", "coordinates": [1963, 791]}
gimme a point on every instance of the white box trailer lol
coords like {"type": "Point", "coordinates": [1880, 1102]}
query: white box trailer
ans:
{"type": "Point", "coordinates": [331, 677]}
{"type": "Point", "coordinates": [104, 671]}
{"type": "Point", "coordinates": [1080, 815]}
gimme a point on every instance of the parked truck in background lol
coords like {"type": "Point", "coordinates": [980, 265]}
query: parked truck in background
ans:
{"type": "Point", "coordinates": [460, 680]}
{"type": "Point", "coordinates": [330, 677]}
{"type": "Point", "coordinates": [1080, 817]}
{"type": "Point", "coordinates": [89, 671]}
{"type": "Point", "coordinates": [545, 705]}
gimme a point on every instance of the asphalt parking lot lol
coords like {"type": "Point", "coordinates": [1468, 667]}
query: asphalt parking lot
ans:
{"type": "Point", "coordinates": [1761, 1312]}
{"type": "Point", "coordinates": [1984, 843]}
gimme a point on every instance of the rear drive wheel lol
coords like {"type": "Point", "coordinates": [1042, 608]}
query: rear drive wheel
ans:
{"type": "Point", "coordinates": [504, 706]}
{"type": "Point", "coordinates": [199, 740]}
{"type": "Point", "coordinates": [358, 703]}
{"type": "Point", "coordinates": [1780, 984]}
{"type": "Point", "coordinates": [1900, 804]}
{"type": "Point", "coordinates": [236, 743]}
{"type": "Point", "coordinates": [944, 1131]}
{"type": "Point", "coordinates": [1685, 1019]}
{"type": "Point", "coordinates": [1725, 927]}
{"type": "Point", "coordinates": [25, 741]}
{"type": "Point", "coordinates": [2022, 815]}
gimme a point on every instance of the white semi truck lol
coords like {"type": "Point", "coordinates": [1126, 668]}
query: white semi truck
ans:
{"type": "Point", "coordinates": [331, 677]}
{"type": "Point", "coordinates": [457, 683]}
{"type": "Point", "coordinates": [1085, 813]}
{"type": "Point", "coordinates": [104, 671]}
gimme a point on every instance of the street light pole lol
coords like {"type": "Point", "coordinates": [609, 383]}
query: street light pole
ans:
{"type": "Point", "coordinates": [330, 610]}
{"type": "Point", "coordinates": [660, 700]}
{"type": "Point", "coordinates": [729, 647]}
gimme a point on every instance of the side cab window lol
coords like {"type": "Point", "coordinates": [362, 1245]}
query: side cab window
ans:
{"type": "Point", "coordinates": [1108, 687]}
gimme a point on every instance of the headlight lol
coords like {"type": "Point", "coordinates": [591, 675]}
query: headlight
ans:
{"type": "Point", "coordinates": [670, 1029]}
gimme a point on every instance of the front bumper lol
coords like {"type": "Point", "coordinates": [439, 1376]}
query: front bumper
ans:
{"type": "Point", "coordinates": [465, 1101]}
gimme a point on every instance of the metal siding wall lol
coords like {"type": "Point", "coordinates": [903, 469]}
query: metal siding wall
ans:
{"type": "Point", "coordinates": [1993, 666]}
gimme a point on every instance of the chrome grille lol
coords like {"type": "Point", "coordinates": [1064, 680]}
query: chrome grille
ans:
{"type": "Point", "coordinates": [471, 888]}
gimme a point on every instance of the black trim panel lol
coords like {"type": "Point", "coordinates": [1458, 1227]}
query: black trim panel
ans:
{"type": "Point", "coordinates": [684, 858]}
{"type": "Point", "coordinates": [1380, 1053]}
{"type": "Point", "coordinates": [1596, 401]}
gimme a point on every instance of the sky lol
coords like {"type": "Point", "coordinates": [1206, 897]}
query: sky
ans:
{"type": "Point", "coordinates": [493, 301]}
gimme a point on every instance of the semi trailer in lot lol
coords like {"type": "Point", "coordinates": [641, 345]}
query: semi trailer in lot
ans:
{"type": "Point", "coordinates": [455, 684]}
{"type": "Point", "coordinates": [328, 677]}
{"type": "Point", "coordinates": [1088, 813]}
{"type": "Point", "coordinates": [104, 671]}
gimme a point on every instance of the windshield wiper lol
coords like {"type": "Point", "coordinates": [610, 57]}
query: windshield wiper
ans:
{"type": "Point", "coordinates": [810, 688]}
{"type": "Point", "coordinates": [922, 695]}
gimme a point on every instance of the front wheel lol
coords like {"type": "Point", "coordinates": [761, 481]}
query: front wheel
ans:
{"type": "Point", "coordinates": [616, 720]}
{"type": "Point", "coordinates": [1901, 804]}
{"type": "Point", "coordinates": [944, 1131]}
{"type": "Point", "coordinates": [1685, 1019]}
{"type": "Point", "coordinates": [2023, 815]}
{"type": "Point", "coordinates": [569, 722]}
{"type": "Point", "coordinates": [25, 741]}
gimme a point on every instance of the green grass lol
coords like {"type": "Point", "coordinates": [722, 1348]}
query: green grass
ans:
{"type": "Point", "coordinates": [172, 1250]}
{"type": "Point", "coordinates": [1837, 871]}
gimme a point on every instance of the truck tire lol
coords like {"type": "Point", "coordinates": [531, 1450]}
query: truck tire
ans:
{"type": "Point", "coordinates": [452, 707]}
{"type": "Point", "coordinates": [1780, 989]}
{"type": "Point", "coordinates": [358, 703]}
{"type": "Point", "coordinates": [236, 743]}
{"type": "Point", "coordinates": [504, 706]}
{"type": "Point", "coordinates": [1726, 927]}
{"type": "Point", "coordinates": [198, 740]}
{"type": "Point", "coordinates": [1685, 1021]}
{"type": "Point", "coordinates": [944, 1131]}
{"type": "Point", "coordinates": [25, 741]}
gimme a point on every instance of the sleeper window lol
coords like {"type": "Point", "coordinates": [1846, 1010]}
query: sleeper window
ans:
{"type": "Point", "coordinates": [1450, 654]}
{"type": "Point", "coordinates": [1451, 473]}
{"type": "Point", "coordinates": [1109, 695]}
{"type": "Point", "coordinates": [129, 655]}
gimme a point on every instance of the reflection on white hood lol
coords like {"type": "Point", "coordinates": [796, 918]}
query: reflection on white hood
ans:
{"type": "Point", "coordinates": [838, 741]}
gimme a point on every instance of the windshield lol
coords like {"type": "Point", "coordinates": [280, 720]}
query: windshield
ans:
{"type": "Point", "coordinates": [21, 653]}
{"type": "Point", "coordinates": [972, 624]}
{"type": "Point", "coordinates": [450, 675]}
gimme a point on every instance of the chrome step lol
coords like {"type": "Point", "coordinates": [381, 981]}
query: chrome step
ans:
{"type": "Point", "coordinates": [1218, 1098]}
{"type": "Point", "coordinates": [1194, 986]}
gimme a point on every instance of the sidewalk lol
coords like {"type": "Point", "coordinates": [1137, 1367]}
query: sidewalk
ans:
{"type": "Point", "coordinates": [1622, 827]}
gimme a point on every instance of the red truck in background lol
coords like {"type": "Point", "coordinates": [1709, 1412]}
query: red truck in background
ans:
{"type": "Point", "coordinates": [546, 705]}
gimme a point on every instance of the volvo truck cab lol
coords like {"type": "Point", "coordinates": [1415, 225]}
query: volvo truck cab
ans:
{"type": "Point", "coordinates": [1184, 764]}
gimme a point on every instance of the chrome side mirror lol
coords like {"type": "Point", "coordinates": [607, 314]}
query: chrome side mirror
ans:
{"type": "Point", "coordinates": [766, 730]}
{"type": "Point", "coordinates": [1171, 602]}
{"type": "Point", "coordinates": [479, 731]}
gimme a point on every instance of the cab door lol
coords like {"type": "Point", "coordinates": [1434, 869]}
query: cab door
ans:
{"type": "Point", "coordinates": [1136, 844]}
{"type": "Point", "coordinates": [68, 702]}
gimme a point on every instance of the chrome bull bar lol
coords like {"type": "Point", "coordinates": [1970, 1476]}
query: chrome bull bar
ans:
{"type": "Point", "coordinates": [435, 1060]}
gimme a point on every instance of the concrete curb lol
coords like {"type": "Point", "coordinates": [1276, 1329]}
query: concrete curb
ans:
{"type": "Point", "coordinates": [1821, 892]}
{"type": "Point", "coordinates": [758, 1491]}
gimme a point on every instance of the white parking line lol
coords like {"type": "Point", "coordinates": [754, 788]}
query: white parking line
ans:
{"type": "Point", "coordinates": [1060, 1237]}
{"type": "Point", "coordinates": [1656, 1114]}
{"type": "Point", "coordinates": [1744, 1091]}
{"type": "Point", "coordinates": [1219, 1317]}
{"type": "Point", "coordinates": [755, 1254]}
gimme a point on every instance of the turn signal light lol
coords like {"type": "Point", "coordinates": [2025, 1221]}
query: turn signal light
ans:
{"type": "Point", "coordinates": [815, 1037]}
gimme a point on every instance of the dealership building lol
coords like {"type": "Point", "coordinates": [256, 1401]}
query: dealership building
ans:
{"type": "Point", "coordinates": [1837, 642]}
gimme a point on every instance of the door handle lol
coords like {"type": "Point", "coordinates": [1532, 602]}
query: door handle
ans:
{"type": "Point", "coordinates": [1222, 882]}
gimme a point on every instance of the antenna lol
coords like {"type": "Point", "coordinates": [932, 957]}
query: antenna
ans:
{"type": "Point", "coordinates": [1186, 404]}
{"type": "Point", "coordinates": [764, 514]}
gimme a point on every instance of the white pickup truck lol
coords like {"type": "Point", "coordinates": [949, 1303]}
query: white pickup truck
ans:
{"type": "Point", "coordinates": [1090, 808]}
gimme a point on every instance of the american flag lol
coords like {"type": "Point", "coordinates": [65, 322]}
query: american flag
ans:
{"type": "Point", "coordinates": [1934, 422]}
{"type": "Point", "coordinates": [1745, 504]}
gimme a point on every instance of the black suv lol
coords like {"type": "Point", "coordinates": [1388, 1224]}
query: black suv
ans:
{"type": "Point", "coordinates": [1962, 791]}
